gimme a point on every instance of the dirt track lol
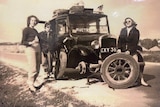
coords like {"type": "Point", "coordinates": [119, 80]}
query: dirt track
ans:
{"type": "Point", "coordinates": [98, 94]}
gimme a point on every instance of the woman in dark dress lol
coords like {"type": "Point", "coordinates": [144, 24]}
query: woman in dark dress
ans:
{"type": "Point", "coordinates": [128, 42]}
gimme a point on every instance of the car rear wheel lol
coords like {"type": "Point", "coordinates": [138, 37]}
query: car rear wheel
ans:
{"type": "Point", "coordinates": [120, 70]}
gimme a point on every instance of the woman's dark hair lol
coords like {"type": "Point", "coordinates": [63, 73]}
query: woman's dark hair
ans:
{"type": "Point", "coordinates": [47, 24]}
{"type": "Point", "coordinates": [133, 22]}
{"type": "Point", "coordinates": [29, 18]}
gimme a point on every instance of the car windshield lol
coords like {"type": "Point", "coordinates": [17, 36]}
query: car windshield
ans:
{"type": "Point", "coordinates": [82, 24]}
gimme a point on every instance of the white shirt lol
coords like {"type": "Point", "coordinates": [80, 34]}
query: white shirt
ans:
{"type": "Point", "coordinates": [128, 30]}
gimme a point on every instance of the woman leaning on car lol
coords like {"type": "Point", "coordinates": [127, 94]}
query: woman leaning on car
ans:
{"type": "Point", "coordinates": [128, 42]}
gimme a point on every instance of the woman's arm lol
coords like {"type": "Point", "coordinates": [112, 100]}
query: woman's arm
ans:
{"type": "Point", "coordinates": [24, 37]}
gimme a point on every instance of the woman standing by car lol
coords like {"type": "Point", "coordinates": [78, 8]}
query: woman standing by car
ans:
{"type": "Point", "coordinates": [128, 42]}
{"type": "Point", "coordinates": [32, 50]}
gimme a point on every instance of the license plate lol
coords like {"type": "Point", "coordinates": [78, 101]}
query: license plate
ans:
{"type": "Point", "coordinates": [106, 50]}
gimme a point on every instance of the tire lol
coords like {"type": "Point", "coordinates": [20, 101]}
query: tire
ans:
{"type": "Point", "coordinates": [120, 70]}
{"type": "Point", "coordinates": [61, 63]}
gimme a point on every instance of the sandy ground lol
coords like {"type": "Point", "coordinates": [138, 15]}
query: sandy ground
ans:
{"type": "Point", "coordinates": [98, 94]}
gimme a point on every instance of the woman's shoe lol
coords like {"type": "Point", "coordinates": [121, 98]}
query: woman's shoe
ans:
{"type": "Point", "coordinates": [32, 89]}
{"type": "Point", "coordinates": [146, 85]}
{"type": "Point", "coordinates": [143, 83]}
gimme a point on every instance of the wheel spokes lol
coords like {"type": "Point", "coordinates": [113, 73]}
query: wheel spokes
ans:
{"type": "Point", "coordinates": [114, 76]}
{"type": "Point", "coordinates": [112, 72]}
{"type": "Point", "coordinates": [125, 64]}
{"type": "Point", "coordinates": [119, 69]}
{"type": "Point", "coordinates": [119, 77]}
{"type": "Point", "coordinates": [111, 68]}
{"type": "Point", "coordinates": [119, 62]}
{"type": "Point", "coordinates": [115, 63]}
{"type": "Point", "coordinates": [123, 77]}
{"type": "Point", "coordinates": [127, 68]}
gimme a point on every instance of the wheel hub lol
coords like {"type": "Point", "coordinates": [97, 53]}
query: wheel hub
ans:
{"type": "Point", "coordinates": [119, 70]}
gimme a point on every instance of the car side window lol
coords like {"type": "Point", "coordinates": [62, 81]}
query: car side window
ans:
{"type": "Point", "coordinates": [61, 27]}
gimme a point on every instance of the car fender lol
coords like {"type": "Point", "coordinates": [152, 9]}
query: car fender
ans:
{"type": "Point", "coordinates": [81, 53]}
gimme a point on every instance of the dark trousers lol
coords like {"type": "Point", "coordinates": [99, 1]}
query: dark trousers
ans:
{"type": "Point", "coordinates": [47, 62]}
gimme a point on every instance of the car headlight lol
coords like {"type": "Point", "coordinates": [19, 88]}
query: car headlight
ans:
{"type": "Point", "coordinates": [95, 44]}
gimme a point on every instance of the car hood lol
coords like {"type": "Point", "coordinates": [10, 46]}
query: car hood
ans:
{"type": "Point", "coordinates": [88, 38]}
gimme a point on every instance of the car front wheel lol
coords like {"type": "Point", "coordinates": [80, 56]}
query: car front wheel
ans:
{"type": "Point", "coordinates": [61, 63]}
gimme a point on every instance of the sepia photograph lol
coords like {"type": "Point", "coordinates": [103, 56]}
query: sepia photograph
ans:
{"type": "Point", "coordinates": [79, 53]}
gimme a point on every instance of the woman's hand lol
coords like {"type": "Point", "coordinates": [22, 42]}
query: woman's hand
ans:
{"type": "Point", "coordinates": [118, 51]}
{"type": "Point", "coordinates": [36, 40]}
{"type": "Point", "coordinates": [127, 52]}
{"type": "Point", "coordinates": [30, 43]}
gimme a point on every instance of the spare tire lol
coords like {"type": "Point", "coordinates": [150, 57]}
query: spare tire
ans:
{"type": "Point", "coordinates": [120, 70]}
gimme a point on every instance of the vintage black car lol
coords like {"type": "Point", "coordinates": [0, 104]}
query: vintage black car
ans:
{"type": "Point", "coordinates": [86, 45]}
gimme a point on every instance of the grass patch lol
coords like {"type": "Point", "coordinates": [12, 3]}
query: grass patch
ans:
{"type": "Point", "coordinates": [14, 92]}
{"type": "Point", "coordinates": [151, 56]}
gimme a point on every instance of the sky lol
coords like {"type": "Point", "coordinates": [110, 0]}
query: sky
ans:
{"type": "Point", "coordinates": [14, 13]}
